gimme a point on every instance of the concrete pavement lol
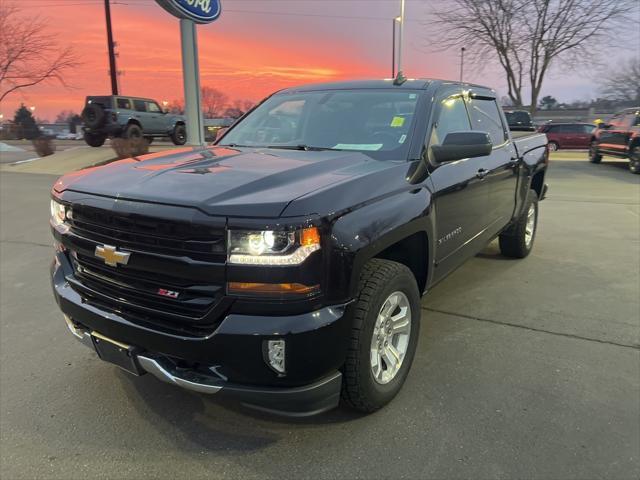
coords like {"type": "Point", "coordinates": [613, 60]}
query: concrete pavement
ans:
{"type": "Point", "coordinates": [525, 368]}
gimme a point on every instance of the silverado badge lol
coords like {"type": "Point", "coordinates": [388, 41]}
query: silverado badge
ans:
{"type": "Point", "coordinates": [111, 255]}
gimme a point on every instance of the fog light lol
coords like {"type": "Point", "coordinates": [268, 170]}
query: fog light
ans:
{"type": "Point", "coordinates": [275, 355]}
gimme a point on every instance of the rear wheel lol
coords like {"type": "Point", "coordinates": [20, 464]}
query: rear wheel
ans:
{"type": "Point", "coordinates": [553, 146]}
{"type": "Point", "coordinates": [634, 160]}
{"type": "Point", "coordinates": [94, 139]}
{"type": "Point", "coordinates": [179, 135]}
{"type": "Point", "coordinates": [132, 131]}
{"type": "Point", "coordinates": [517, 241]}
{"type": "Point", "coordinates": [594, 156]}
{"type": "Point", "coordinates": [384, 335]}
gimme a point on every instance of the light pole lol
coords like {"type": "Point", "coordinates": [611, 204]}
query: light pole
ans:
{"type": "Point", "coordinates": [393, 47]}
{"type": "Point", "coordinates": [462, 49]}
{"type": "Point", "coordinates": [400, 35]}
{"type": "Point", "coordinates": [113, 72]}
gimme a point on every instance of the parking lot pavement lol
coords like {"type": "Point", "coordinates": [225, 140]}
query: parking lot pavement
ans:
{"type": "Point", "coordinates": [525, 368]}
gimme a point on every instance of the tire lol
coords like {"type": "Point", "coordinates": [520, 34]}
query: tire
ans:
{"type": "Point", "coordinates": [94, 139]}
{"type": "Point", "coordinates": [179, 134]}
{"type": "Point", "coordinates": [594, 156]}
{"type": "Point", "coordinates": [132, 131]}
{"type": "Point", "coordinates": [381, 283]}
{"type": "Point", "coordinates": [553, 146]}
{"type": "Point", "coordinates": [634, 160]}
{"type": "Point", "coordinates": [93, 115]}
{"type": "Point", "coordinates": [517, 241]}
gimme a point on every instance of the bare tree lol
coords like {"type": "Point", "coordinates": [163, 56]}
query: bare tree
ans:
{"type": "Point", "coordinates": [526, 37]}
{"type": "Point", "coordinates": [624, 83]}
{"type": "Point", "coordinates": [28, 54]}
{"type": "Point", "coordinates": [214, 102]}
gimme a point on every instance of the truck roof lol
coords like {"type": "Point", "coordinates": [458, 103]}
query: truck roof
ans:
{"type": "Point", "coordinates": [409, 84]}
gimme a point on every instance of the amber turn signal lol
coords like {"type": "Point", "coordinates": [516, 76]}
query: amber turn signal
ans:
{"type": "Point", "coordinates": [310, 236]}
{"type": "Point", "coordinates": [273, 289]}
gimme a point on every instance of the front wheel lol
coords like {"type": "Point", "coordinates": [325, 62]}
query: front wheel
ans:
{"type": "Point", "coordinates": [594, 156]}
{"type": "Point", "coordinates": [553, 146]}
{"type": "Point", "coordinates": [634, 160]}
{"type": "Point", "coordinates": [179, 135]}
{"type": "Point", "coordinates": [384, 335]}
{"type": "Point", "coordinates": [517, 241]}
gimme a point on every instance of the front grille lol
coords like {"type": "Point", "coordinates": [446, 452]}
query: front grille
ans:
{"type": "Point", "coordinates": [174, 280]}
{"type": "Point", "coordinates": [200, 242]}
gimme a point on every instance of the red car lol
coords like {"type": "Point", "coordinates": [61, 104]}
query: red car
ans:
{"type": "Point", "coordinates": [568, 135]}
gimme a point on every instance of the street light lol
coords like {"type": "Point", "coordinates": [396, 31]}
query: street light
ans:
{"type": "Point", "coordinates": [32, 108]}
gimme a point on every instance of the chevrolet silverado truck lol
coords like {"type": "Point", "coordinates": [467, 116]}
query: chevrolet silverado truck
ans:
{"type": "Point", "coordinates": [284, 265]}
{"type": "Point", "coordinates": [619, 137]}
{"type": "Point", "coordinates": [129, 117]}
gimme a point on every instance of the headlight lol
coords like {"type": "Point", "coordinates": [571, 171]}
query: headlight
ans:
{"type": "Point", "coordinates": [58, 213]}
{"type": "Point", "coordinates": [272, 248]}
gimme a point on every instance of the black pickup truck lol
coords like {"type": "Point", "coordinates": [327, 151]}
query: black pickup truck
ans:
{"type": "Point", "coordinates": [284, 265]}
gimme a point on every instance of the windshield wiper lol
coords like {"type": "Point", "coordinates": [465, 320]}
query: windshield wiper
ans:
{"type": "Point", "coordinates": [305, 148]}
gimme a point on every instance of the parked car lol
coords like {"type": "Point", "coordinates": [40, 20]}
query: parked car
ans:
{"type": "Point", "coordinates": [519, 120]}
{"type": "Point", "coordinates": [284, 265]}
{"type": "Point", "coordinates": [619, 137]}
{"type": "Point", "coordinates": [129, 117]}
{"type": "Point", "coordinates": [568, 135]}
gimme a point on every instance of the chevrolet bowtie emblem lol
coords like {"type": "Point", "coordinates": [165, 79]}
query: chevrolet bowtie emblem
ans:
{"type": "Point", "coordinates": [111, 255]}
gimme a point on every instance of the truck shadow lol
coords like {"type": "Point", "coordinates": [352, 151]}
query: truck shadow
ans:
{"type": "Point", "coordinates": [197, 421]}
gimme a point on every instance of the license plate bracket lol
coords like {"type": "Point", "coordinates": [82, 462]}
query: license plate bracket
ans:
{"type": "Point", "coordinates": [118, 353]}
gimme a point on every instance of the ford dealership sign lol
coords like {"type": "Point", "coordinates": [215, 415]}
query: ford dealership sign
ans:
{"type": "Point", "coordinates": [200, 11]}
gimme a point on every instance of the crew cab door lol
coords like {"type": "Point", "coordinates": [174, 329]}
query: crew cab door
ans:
{"type": "Point", "coordinates": [501, 165]}
{"type": "Point", "coordinates": [612, 137]}
{"type": "Point", "coordinates": [460, 193]}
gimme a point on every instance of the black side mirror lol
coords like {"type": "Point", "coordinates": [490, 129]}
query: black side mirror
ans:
{"type": "Point", "coordinates": [459, 145]}
{"type": "Point", "coordinates": [603, 125]}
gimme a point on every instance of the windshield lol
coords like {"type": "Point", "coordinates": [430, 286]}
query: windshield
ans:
{"type": "Point", "coordinates": [376, 122]}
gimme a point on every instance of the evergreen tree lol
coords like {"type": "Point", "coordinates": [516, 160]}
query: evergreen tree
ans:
{"type": "Point", "coordinates": [26, 123]}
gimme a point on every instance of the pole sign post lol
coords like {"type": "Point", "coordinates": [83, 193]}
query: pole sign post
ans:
{"type": "Point", "coordinates": [190, 13]}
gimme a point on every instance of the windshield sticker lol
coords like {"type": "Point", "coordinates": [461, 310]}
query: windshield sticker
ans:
{"type": "Point", "coordinates": [402, 139]}
{"type": "Point", "coordinates": [397, 121]}
{"type": "Point", "coordinates": [359, 146]}
{"type": "Point", "coordinates": [412, 96]}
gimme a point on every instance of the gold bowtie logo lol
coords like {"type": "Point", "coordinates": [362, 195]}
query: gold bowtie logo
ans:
{"type": "Point", "coordinates": [111, 255]}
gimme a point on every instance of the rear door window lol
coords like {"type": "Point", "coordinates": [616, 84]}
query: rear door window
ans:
{"type": "Point", "coordinates": [139, 105]}
{"type": "Point", "coordinates": [485, 117]}
{"type": "Point", "coordinates": [124, 103]}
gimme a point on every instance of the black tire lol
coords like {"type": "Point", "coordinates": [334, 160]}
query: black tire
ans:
{"type": "Point", "coordinates": [594, 156]}
{"type": "Point", "coordinates": [378, 281]}
{"type": "Point", "coordinates": [553, 146]}
{"type": "Point", "coordinates": [514, 241]}
{"type": "Point", "coordinates": [634, 160]}
{"type": "Point", "coordinates": [132, 131]}
{"type": "Point", "coordinates": [93, 115]}
{"type": "Point", "coordinates": [179, 134]}
{"type": "Point", "coordinates": [94, 139]}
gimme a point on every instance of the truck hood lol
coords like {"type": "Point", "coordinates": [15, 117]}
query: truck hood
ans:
{"type": "Point", "coordinates": [224, 181]}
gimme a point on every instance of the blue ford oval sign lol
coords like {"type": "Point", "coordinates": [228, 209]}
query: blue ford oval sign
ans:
{"type": "Point", "coordinates": [200, 11]}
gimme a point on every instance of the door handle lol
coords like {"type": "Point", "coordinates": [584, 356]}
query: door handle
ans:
{"type": "Point", "coordinates": [482, 173]}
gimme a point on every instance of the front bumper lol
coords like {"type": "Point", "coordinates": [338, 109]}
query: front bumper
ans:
{"type": "Point", "coordinates": [229, 362]}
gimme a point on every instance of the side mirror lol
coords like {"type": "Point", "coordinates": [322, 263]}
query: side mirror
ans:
{"type": "Point", "coordinates": [603, 125]}
{"type": "Point", "coordinates": [459, 145]}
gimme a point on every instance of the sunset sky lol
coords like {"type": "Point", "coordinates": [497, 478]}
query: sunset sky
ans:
{"type": "Point", "coordinates": [254, 48]}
